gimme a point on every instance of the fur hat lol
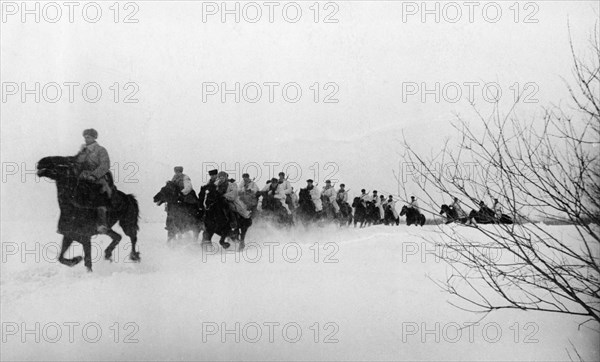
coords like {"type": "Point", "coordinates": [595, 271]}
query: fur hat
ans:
{"type": "Point", "coordinates": [309, 180]}
{"type": "Point", "coordinates": [223, 174]}
{"type": "Point", "coordinates": [246, 175]}
{"type": "Point", "coordinates": [213, 172]}
{"type": "Point", "coordinates": [90, 132]}
{"type": "Point", "coordinates": [178, 169]}
{"type": "Point", "coordinates": [342, 185]}
{"type": "Point", "coordinates": [328, 182]}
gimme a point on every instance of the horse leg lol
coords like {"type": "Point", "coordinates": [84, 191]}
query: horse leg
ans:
{"type": "Point", "coordinates": [116, 238]}
{"type": "Point", "coordinates": [224, 243]}
{"type": "Point", "coordinates": [66, 243]}
{"type": "Point", "coordinates": [87, 252]}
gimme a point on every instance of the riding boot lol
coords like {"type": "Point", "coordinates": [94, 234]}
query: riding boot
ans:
{"type": "Point", "coordinates": [102, 223]}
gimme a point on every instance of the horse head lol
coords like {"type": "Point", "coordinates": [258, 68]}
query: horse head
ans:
{"type": "Point", "coordinates": [404, 210]}
{"type": "Point", "coordinates": [168, 193]}
{"type": "Point", "coordinates": [445, 209]}
{"type": "Point", "coordinates": [55, 167]}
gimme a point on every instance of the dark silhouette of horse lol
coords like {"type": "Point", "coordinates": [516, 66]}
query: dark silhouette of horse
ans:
{"type": "Point", "coordinates": [412, 216]}
{"type": "Point", "coordinates": [345, 215]}
{"type": "Point", "coordinates": [215, 211]}
{"type": "Point", "coordinates": [364, 214]}
{"type": "Point", "coordinates": [272, 209]}
{"type": "Point", "coordinates": [181, 216]}
{"type": "Point", "coordinates": [306, 208]}
{"type": "Point", "coordinates": [487, 216]}
{"type": "Point", "coordinates": [451, 215]}
{"type": "Point", "coordinates": [389, 218]}
{"type": "Point", "coordinates": [77, 221]}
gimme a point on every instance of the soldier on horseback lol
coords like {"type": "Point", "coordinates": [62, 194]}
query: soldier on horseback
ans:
{"type": "Point", "coordinates": [329, 196]}
{"type": "Point", "coordinates": [229, 191]}
{"type": "Point", "coordinates": [284, 193]}
{"type": "Point", "coordinates": [248, 192]}
{"type": "Point", "coordinates": [94, 166]}
{"type": "Point", "coordinates": [184, 183]}
{"type": "Point", "coordinates": [315, 195]}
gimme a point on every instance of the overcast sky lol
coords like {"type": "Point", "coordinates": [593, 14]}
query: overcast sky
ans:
{"type": "Point", "coordinates": [361, 76]}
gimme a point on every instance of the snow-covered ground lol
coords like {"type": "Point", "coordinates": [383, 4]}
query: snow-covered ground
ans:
{"type": "Point", "coordinates": [319, 294]}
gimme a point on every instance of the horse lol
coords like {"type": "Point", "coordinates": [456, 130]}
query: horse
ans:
{"type": "Point", "coordinates": [306, 212]}
{"type": "Point", "coordinates": [181, 216]}
{"type": "Point", "coordinates": [364, 214]}
{"type": "Point", "coordinates": [412, 216]}
{"type": "Point", "coordinates": [389, 218]}
{"type": "Point", "coordinates": [77, 221]}
{"type": "Point", "coordinates": [215, 210]}
{"type": "Point", "coordinates": [273, 209]}
{"type": "Point", "coordinates": [345, 215]}
{"type": "Point", "coordinates": [451, 215]}
{"type": "Point", "coordinates": [487, 216]}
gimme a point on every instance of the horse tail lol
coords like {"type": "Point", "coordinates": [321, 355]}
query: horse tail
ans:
{"type": "Point", "coordinates": [132, 214]}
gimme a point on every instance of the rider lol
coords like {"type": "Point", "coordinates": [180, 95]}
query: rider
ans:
{"type": "Point", "coordinates": [315, 195]}
{"type": "Point", "coordinates": [460, 213]}
{"type": "Point", "coordinates": [284, 192]}
{"type": "Point", "coordinates": [330, 194]}
{"type": "Point", "coordinates": [294, 199]}
{"type": "Point", "coordinates": [342, 197]}
{"type": "Point", "coordinates": [413, 204]}
{"type": "Point", "coordinates": [485, 211]}
{"type": "Point", "coordinates": [95, 164]}
{"type": "Point", "coordinates": [497, 209]}
{"type": "Point", "coordinates": [391, 203]}
{"type": "Point", "coordinates": [230, 192]}
{"type": "Point", "coordinates": [377, 202]}
{"type": "Point", "coordinates": [364, 197]}
{"type": "Point", "coordinates": [184, 183]}
{"type": "Point", "coordinates": [248, 191]}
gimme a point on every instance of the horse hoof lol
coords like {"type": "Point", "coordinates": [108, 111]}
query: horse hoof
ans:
{"type": "Point", "coordinates": [71, 262]}
{"type": "Point", "coordinates": [108, 255]}
{"type": "Point", "coordinates": [89, 269]}
{"type": "Point", "coordinates": [225, 245]}
{"type": "Point", "coordinates": [135, 256]}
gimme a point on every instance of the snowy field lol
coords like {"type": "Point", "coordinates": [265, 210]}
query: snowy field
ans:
{"type": "Point", "coordinates": [319, 294]}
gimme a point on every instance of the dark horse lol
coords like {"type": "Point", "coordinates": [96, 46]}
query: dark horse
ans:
{"type": "Point", "coordinates": [181, 216]}
{"type": "Point", "coordinates": [487, 216]}
{"type": "Point", "coordinates": [452, 215]}
{"type": "Point", "coordinates": [306, 208]}
{"type": "Point", "coordinates": [364, 214]}
{"type": "Point", "coordinates": [273, 209]}
{"type": "Point", "coordinates": [343, 217]}
{"type": "Point", "coordinates": [215, 211]}
{"type": "Point", "coordinates": [412, 216]}
{"type": "Point", "coordinates": [77, 220]}
{"type": "Point", "coordinates": [389, 218]}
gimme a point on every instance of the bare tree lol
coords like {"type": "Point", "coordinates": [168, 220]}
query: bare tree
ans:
{"type": "Point", "coordinates": [543, 169]}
